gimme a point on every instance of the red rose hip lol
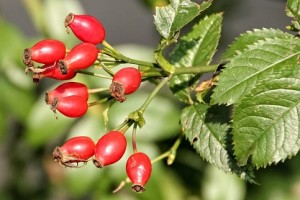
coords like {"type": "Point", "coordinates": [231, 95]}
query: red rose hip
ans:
{"type": "Point", "coordinates": [138, 169]}
{"type": "Point", "coordinates": [86, 28]}
{"type": "Point", "coordinates": [109, 149]}
{"type": "Point", "coordinates": [81, 56]}
{"type": "Point", "coordinates": [45, 51]}
{"type": "Point", "coordinates": [67, 89]}
{"type": "Point", "coordinates": [124, 82]}
{"type": "Point", "coordinates": [70, 106]}
{"type": "Point", "coordinates": [75, 150]}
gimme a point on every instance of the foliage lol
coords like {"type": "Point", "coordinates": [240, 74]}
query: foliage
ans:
{"type": "Point", "coordinates": [245, 117]}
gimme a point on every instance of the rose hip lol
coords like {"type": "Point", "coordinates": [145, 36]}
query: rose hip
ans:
{"type": "Point", "coordinates": [81, 56]}
{"type": "Point", "coordinates": [70, 106]}
{"type": "Point", "coordinates": [138, 169]}
{"type": "Point", "coordinates": [86, 28]}
{"type": "Point", "coordinates": [125, 81]}
{"type": "Point", "coordinates": [75, 150]}
{"type": "Point", "coordinates": [109, 149]}
{"type": "Point", "coordinates": [67, 89]}
{"type": "Point", "coordinates": [45, 51]}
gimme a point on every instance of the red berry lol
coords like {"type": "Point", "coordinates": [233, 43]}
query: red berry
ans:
{"type": "Point", "coordinates": [125, 81]}
{"type": "Point", "coordinates": [75, 150]}
{"type": "Point", "coordinates": [45, 51]}
{"type": "Point", "coordinates": [67, 89]}
{"type": "Point", "coordinates": [110, 148]}
{"type": "Point", "coordinates": [81, 56]}
{"type": "Point", "coordinates": [138, 169]}
{"type": "Point", "coordinates": [70, 106]}
{"type": "Point", "coordinates": [86, 28]}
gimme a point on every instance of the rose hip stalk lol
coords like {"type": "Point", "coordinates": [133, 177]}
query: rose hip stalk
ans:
{"type": "Point", "coordinates": [67, 89]}
{"type": "Point", "coordinates": [75, 150]}
{"type": "Point", "coordinates": [81, 56]}
{"type": "Point", "coordinates": [86, 28]}
{"type": "Point", "coordinates": [109, 149]}
{"type": "Point", "coordinates": [138, 169]}
{"type": "Point", "coordinates": [45, 51]}
{"type": "Point", "coordinates": [125, 81]}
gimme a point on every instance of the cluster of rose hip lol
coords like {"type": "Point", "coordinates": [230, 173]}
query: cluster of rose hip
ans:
{"type": "Point", "coordinates": [71, 98]}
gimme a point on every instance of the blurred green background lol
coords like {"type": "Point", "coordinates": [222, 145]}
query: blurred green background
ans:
{"type": "Point", "coordinates": [29, 131]}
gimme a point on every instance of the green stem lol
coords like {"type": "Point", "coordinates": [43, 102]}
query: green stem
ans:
{"type": "Point", "coordinates": [153, 94]}
{"type": "Point", "coordinates": [164, 63]}
{"type": "Point", "coordinates": [109, 47]}
{"type": "Point", "coordinates": [93, 74]}
{"type": "Point", "coordinates": [127, 126]}
{"type": "Point", "coordinates": [107, 70]}
{"type": "Point", "coordinates": [195, 69]}
{"type": "Point", "coordinates": [171, 153]}
{"type": "Point", "coordinates": [118, 56]}
{"type": "Point", "coordinates": [96, 90]}
{"type": "Point", "coordinates": [134, 147]}
{"type": "Point", "coordinates": [99, 101]}
{"type": "Point", "coordinates": [182, 70]}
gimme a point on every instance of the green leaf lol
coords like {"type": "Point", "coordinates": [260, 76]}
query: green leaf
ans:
{"type": "Point", "coordinates": [194, 49]}
{"type": "Point", "coordinates": [249, 38]}
{"type": "Point", "coordinates": [292, 10]}
{"type": "Point", "coordinates": [266, 123]}
{"type": "Point", "coordinates": [207, 138]}
{"type": "Point", "coordinates": [171, 18]}
{"type": "Point", "coordinates": [207, 130]}
{"type": "Point", "coordinates": [254, 65]}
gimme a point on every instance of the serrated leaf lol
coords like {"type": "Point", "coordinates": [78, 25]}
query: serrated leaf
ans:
{"type": "Point", "coordinates": [257, 63]}
{"type": "Point", "coordinates": [293, 8]}
{"type": "Point", "coordinates": [207, 138]}
{"type": "Point", "coordinates": [207, 129]}
{"type": "Point", "coordinates": [266, 123]}
{"type": "Point", "coordinates": [249, 38]}
{"type": "Point", "coordinates": [195, 48]}
{"type": "Point", "coordinates": [171, 18]}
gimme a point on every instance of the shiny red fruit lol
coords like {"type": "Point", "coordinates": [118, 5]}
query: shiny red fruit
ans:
{"type": "Point", "coordinates": [45, 51]}
{"type": "Point", "coordinates": [70, 106]}
{"type": "Point", "coordinates": [75, 150]}
{"type": "Point", "coordinates": [67, 89]}
{"type": "Point", "coordinates": [110, 148]}
{"type": "Point", "coordinates": [86, 28]}
{"type": "Point", "coordinates": [138, 169]}
{"type": "Point", "coordinates": [125, 81]}
{"type": "Point", "coordinates": [81, 56]}
{"type": "Point", "coordinates": [50, 71]}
